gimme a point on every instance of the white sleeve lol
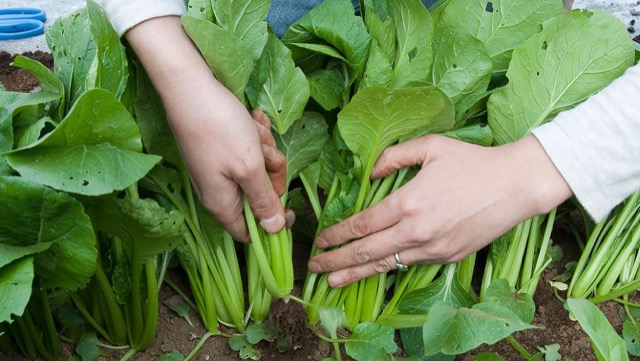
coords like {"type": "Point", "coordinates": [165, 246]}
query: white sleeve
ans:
{"type": "Point", "coordinates": [596, 146]}
{"type": "Point", "coordinates": [125, 14]}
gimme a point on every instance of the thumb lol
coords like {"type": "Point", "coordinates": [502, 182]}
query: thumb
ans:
{"type": "Point", "coordinates": [264, 203]}
{"type": "Point", "coordinates": [406, 154]}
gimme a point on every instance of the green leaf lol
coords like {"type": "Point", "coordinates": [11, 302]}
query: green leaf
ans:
{"type": "Point", "coordinates": [603, 337]}
{"type": "Point", "coordinates": [454, 331]}
{"type": "Point", "coordinates": [378, 117]}
{"type": "Point", "coordinates": [87, 346]}
{"type": "Point", "coordinates": [95, 149]}
{"type": "Point", "coordinates": [282, 91]}
{"type": "Point", "coordinates": [414, 32]}
{"type": "Point", "coordinates": [257, 332]}
{"type": "Point", "coordinates": [520, 304]}
{"type": "Point", "coordinates": [370, 341]}
{"type": "Point", "coordinates": [382, 29]}
{"type": "Point", "coordinates": [33, 215]}
{"type": "Point", "coordinates": [111, 68]}
{"type": "Point", "coordinates": [245, 19]}
{"type": "Point", "coordinates": [488, 356]}
{"type": "Point", "coordinates": [551, 352]}
{"type": "Point", "coordinates": [182, 310]}
{"type": "Point", "coordinates": [476, 134]}
{"type": "Point", "coordinates": [121, 281]}
{"type": "Point", "coordinates": [69, 35]}
{"type": "Point", "coordinates": [245, 349]}
{"type": "Point", "coordinates": [332, 318]}
{"type": "Point", "coordinates": [151, 118]}
{"type": "Point", "coordinates": [48, 82]}
{"type": "Point", "coordinates": [145, 227]}
{"type": "Point", "coordinates": [15, 287]}
{"type": "Point", "coordinates": [631, 335]}
{"type": "Point", "coordinates": [565, 46]}
{"type": "Point", "coordinates": [174, 355]}
{"type": "Point", "coordinates": [326, 87]}
{"type": "Point", "coordinates": [332, 22]}
{"type": "Point", "coordinates": [230, 59]}
{"type": "Point", "coordinates": [9, 253]}
{"type": "Point", "coordinates": [413, 345]}
{"type": "Point", "coordinates": [500, 24]}
{"type": "Point", "coordinates": [303, 143]}
{"type": "Point", "coordinates": [443, 289]}
{"type": "Point", "coordinates": [462, 67]}
{"type": "Point", "coordinates": [29, 134]}
{"type": "Point", "coordinates": [201, 9]}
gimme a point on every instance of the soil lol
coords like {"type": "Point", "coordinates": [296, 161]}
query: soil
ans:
{"type": "Point", "coordinates": [175, 333]}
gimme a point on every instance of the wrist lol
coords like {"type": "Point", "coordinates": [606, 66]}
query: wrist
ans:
{"type": "Point", "coordinates": [539, 183]}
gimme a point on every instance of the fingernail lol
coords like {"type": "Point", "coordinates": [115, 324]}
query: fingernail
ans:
{"type": "Point", "coordinates": [336, 280]}
{"type": "Point", "coordinates": [273, 224]}
{"type": "Point", "coordinates": [321, 242]}
{"type": "Point", "coordinates": [314, 267]}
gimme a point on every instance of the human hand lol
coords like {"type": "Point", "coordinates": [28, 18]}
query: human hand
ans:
{"type": "Point", "coordinates": [463, 198]}
{"type": "Point", "coordinates": [218, 139]}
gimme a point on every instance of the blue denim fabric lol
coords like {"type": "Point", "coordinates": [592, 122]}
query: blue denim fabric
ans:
{"type": "Point", "coordinates": [283, 13]}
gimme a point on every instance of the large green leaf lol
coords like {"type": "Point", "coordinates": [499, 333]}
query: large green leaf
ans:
{"type": "Point", "coordinates": [230, 59]}
{"type": "Point", "coordinates": [500, 24]}
{"type": "Point", "coordinates": [519, 303]}
{"type": "Point", "coordinates": [282, 91]}
{"type": "Point", "coordinates": [381, 27]}
{"type": "Point", "coordinates": [332, 22]}
{"type": "Point", "coordinates": [453, 331]}
{"type": "Point", "coordinates": [9, 253]}
{"type": "Point", "coordinates": [95, 149]}
{"type": "Point", "coordinates": [414, 32]}
{"type": "Point", "coordinates": [245, 19]}
{"type": "Point", "coordinates": [111, 70]}
{"type": "Point", "coordinates": [151, 118]}
{"type": "Point", "coordinates": [67, 36]}
{"type": "Point", "coordinates": [15, 288]}
{"type": "Point", "coordinates": [575, 55]}
{"type": "Point", "coordinates": [461, 67]}
{"type": "Point", "coordinates": [34, 215]}
{"type": "Point", "coordinates": [377, 117]}
{"type": "Point", "coordinates": [444, 289]}
{"type": "Point", "coordinates": [303, 143]}
{"type": "Point", "coordinates": [371, 341]}
{"type": "Point", "coordinates": [145, 227]}
{"type": "Point", "coordinates": [604, 338]}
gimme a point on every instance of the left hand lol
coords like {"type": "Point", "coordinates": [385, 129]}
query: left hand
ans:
{"type": "Point", "coordinates": [463, 198]}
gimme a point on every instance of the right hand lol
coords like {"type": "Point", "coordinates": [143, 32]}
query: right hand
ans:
{"type": "Point", "coordinates": [218, 138]}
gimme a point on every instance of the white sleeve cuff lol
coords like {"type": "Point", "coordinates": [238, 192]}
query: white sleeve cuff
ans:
{"type": "Point", "coordinates": [125, 14]}
{"type": "Point", "coordinates": [596, 146]}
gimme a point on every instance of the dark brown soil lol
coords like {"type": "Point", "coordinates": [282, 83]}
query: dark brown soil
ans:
{"type": "Point", "coordinates": [175, 333]}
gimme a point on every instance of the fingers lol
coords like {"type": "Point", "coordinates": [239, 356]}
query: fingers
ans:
{"type": "Point", "coordinates": [347, 276]}
{"type": "Point", "coordinates": [276, 166]}
{"type": "Point", "coordinates": [381, 216]}
{"type": "Point", "coordinates": [262, 198]}
{"type": "Point", "coordinates": [407, 154]}
{"type": "Point", "coordinates": [275, 161]}
{"type": "Point", "coordinates": [371, 249]}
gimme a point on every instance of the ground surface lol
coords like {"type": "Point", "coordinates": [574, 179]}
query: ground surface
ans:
{"type": "Point", "coordinates": [175, 333]}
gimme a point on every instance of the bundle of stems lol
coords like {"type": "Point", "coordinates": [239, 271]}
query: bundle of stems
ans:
{"type": "Point", "coordinates": [609, 266]}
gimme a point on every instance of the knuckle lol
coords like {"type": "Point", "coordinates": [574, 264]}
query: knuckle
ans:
{"type": "Point", "coordinates": [359, 226]}
{"type": "Point", "coordinates": [248, 168]}
{"type": "Point", "coordinates": [361, 254]}
{"type": "Point", "coordinates": [382, 265]}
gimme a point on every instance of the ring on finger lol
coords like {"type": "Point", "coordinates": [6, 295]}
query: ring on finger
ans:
{"type": "Point", "coordinates": [399, 265]}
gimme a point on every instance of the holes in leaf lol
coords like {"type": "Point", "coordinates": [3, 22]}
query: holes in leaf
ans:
{"type": "Point", "coordinates": [455, 66]}
{"type": "Point", "coordinates": [489, 7]}
{"type": "Point", "coordinates": [85, 183]}
{"type": "Point", "coordinates": [412, 53]}
{"type": "Point", "coordinates": [507, 324]}
{"type": "Point", "coordinates": [538, 73]}
{"type": "Point", "coordinates": [544, 45]}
